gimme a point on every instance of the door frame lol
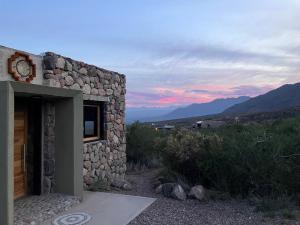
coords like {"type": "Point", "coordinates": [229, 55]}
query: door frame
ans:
{"type": "Point", "coordinates": [68, 144]}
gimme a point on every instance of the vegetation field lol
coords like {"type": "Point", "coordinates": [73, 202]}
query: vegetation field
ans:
{"type": "Point", "coordinates": [261, 160]}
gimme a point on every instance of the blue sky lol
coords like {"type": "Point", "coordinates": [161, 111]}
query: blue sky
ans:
{"type": "Point", "coordinates": [173, 52]}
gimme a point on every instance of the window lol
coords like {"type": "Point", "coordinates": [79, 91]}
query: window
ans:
{"type": "Point", "coordinates": [93, 121]}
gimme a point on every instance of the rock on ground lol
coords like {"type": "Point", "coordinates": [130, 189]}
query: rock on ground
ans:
{"type": "Point", "coordinates": [167, 189]}
{"type": "Point", "coordinates": [172, 190]}
{"type": "Point", "coordinates": [197, 192]}
{"type": "Point", "coordinates": [178, 193]}
{"type": "Point", "coordinates": [158, 190]}
{"type": "Point", "coordinates": [122, 184]}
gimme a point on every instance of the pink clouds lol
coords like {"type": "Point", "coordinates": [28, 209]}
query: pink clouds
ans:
{"type": "Point", "coordinates": [165, 96]}
{"type": "Point", "coordinates": [168, 100]}
{"type": "Point", "coordinates": [161, 97]}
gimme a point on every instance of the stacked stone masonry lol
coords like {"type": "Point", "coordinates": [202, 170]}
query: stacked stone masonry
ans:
{"type": "Point", "coordinates": [49, 148]}
{"type": "Point", "coordinates": [103, 159]}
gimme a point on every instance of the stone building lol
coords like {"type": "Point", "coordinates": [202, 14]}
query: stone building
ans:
{"type": "Point", "coordinates": [62, 124]}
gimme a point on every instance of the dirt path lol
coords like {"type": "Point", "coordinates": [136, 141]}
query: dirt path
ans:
{"type": "Point", "coordinates": [166, 211]}
{"type": "Point", "coordinates": [142, 183]}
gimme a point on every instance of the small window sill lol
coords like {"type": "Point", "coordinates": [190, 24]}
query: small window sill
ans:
{"type": "Point", "coordinates": [94, 141]}
{"type": "Point", "coordinates": [89, 139]}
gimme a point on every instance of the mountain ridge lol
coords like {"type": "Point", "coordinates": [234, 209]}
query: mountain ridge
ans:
{"type": "Point", "coordinates": [196, 109]}
{"type": "Point", "coordinates": [200, 109]}
{"type": "Point", "coordinates": [286, 96]}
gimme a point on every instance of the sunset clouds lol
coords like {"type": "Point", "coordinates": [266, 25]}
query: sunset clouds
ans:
{"type": "Point", "coordinates": [163, 97]}
{"type": "Point", "coordinates": [172, 52]}
{"type": "Point", "coordinates": [258, 53]}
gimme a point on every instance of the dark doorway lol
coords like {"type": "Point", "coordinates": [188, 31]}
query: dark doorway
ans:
{"type": "Point", "coordinates": [33, 107]}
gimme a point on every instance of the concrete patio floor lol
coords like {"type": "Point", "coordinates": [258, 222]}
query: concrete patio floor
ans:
{"type": "Point", "coordinates": [108, 208]}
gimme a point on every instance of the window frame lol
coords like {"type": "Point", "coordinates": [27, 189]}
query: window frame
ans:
{"type": "Point", "coordinates": [101, 118]}
{"type": "Point", "coordinates": [97, 136]}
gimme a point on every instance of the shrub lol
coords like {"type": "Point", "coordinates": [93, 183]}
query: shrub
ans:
{"type": "Point", "coordinates": [185, 151]}
{"type": "Point", "coordinates": [263, 160]}
{"type": "Point", "coordinates": [254, 159]}
{"type": "Point", "coordinates": [142, 149]}
{"type": "Point", "coordinates": [276, 206]}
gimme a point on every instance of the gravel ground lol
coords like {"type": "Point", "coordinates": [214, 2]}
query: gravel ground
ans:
{"type": "Point", "coordinates": [166, 211]}
{"type": "Point", "coordinates": [37, 209]}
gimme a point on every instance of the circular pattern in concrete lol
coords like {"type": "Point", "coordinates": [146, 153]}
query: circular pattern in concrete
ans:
{"type": "Point", "coordinates": [79, 218]}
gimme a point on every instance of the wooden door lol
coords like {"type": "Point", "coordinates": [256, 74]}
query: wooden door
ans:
{"type": "Point", "coordinates": [20, 176]}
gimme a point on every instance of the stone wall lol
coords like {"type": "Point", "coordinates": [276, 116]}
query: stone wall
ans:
{"type": "Point", "coordinates": [49, 148]}
{"type": "Point", "coordinates": [103, 159]}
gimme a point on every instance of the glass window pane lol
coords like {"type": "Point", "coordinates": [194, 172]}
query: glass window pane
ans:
{"type": "Point", "coordinates": [91, 123]}
{"type": "Point", "coordinates": [89, 127]}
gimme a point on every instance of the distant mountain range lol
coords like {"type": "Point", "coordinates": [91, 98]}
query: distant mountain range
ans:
{"type": "Point", "coordinates": [157, 114]}
{"type": "Point", "coordinates": [145, 114]}
{"type": "Point", "coordinates": [214, 107]}
{"type": "Point", "coordinates": [284, 97]}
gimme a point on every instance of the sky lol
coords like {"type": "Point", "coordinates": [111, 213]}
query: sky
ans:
{"type": "Point", "coordinates": [173, 52]}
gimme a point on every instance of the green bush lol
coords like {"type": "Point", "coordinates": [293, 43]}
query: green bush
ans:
{"type": "Point", "coordinates": [262, 160]}
{"type": "Point", "coordinates": [142, 149]}
{"type": "Point", "coordinates": [282, 206]}
{"type": "Point", "coordinates": [254, 159]}
{"type": "Point", "coordinates": [185, 151]}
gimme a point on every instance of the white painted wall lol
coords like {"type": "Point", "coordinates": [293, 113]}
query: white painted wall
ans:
{"type": "Point", "coordinates": [6, 53]}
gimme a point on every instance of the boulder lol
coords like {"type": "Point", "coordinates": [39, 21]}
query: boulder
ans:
{"type": "Point", "coordinates": [87, 180]}
{"type": "Point", "coordinates": [122, 184]}
{"type": "Point", "coordinates": [178, 193]}
{"type": "Point", "coordinates": [127, 186]}
{"type": "Point", "coordinates": [197, 192]}
{"type": "Point", "coordinates": [100, 185]}
{"type": "Point", "coordinates": [158, 190]}
{"type": "Point", "coordinates": [167, 189]}
{"type": "Point", "coordinates": [173, 190]}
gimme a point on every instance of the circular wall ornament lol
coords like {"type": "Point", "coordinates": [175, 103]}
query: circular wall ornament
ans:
{"type": "Point", "coordinates": [73, 219]}
{"type": "Point", "coordinates": [21, 67]}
